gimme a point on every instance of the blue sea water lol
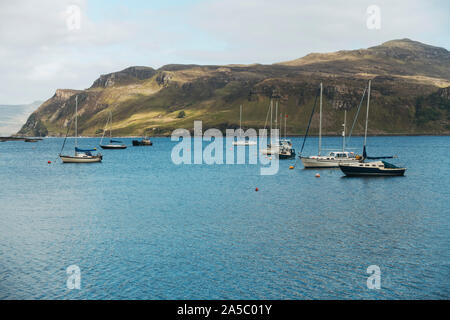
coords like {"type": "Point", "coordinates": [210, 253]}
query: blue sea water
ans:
{"type": "Point", "coordinates": [140, 227]}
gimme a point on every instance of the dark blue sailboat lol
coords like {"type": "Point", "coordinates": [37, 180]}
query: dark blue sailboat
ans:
{"type": "Point", "coordinates": [113, 144]}
{"type": "Point", "coordinates": [371, 168]}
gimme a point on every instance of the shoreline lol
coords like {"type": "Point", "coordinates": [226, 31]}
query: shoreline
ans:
{"type": "Point", "coordinates": [20, 138]}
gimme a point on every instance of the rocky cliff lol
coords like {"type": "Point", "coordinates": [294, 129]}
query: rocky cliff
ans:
{"type": "Point", "coordinates": [410, 94]}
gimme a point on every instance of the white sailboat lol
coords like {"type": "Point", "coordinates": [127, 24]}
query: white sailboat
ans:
{"type": "Point", "coordinates": [334, 158]}
{"type": "Point", "coordinates": [242, 141]}
{"type": "Point", "coordinates": [272, 147]}
{"type": "Point", "coordinates": [81, 155]}
{"type": "Point", "coordinates": [283, 148]}
{"type": "Point", "coordinates": [113, 144]}
{"type": "Point", "coordinates": [286, 149]}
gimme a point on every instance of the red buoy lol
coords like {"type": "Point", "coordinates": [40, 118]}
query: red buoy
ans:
{"type": "Point", "coordinates": [256, 189]}
{"type": "Point", "coordinates": [49, 162]}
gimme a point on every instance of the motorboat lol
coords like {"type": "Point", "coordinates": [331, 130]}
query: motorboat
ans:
{"type": "Point", "coordinates": [143, 142]}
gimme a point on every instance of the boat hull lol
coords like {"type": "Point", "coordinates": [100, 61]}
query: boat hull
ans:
{"type": "Point", "coordinates": [353, 171]}
{"type": "Point", "coordinates": [270, 151]}
{"type": "Point", "coordinates": [280, 152]}
{"type": "Point", "coordinates": [244, 143]}
{"type": "Point", "coordinates": [88, 159]}
{"type": "Point", "coordinates": [137, 143]}
{"type": "Point", "coordinates": [113, 146]}
{"type": "Point", "coordinates": [286, 156]}
{"type": "Point", "coordinates": [281, 155]}
{"type": "Point", "coordinates": [311, 163]}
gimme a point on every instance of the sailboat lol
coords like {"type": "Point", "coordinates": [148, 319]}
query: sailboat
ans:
{"type": "Point", "coordinates": [286, 149]}
{"type": "Point", "coordinates": [113, 144]}
{"type": "Point", "coordinates": [81, 155]}
{"type": "Point", "coordinates": [334, 158]}
{"type": "Point", "coordinates": [371, 168]}
{"type": "Point", "coordinates": [282, 148]}
{"type": "Point", "coordinates": [242, 141]}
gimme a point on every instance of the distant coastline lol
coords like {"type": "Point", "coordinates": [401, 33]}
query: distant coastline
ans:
{"type": "Point", "coordinates": [18, 138]}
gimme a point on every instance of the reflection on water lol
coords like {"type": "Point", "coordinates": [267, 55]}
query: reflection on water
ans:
{"type": "Point", "coordinates": [140, 227]}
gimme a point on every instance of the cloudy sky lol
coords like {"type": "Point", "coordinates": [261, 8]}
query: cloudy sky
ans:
{"type": "Point", "coordinates": [44, 46]}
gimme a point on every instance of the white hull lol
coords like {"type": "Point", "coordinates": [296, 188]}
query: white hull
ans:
{"type": "Point", "coordinates": [270, 151]}
{"type": "Point", "coordinates": [283, 147]}
{"type": "Point", "coordinates": [84, 159]}
{"type": "Point", "coordinates": [325, 163]}
{"type": "Point", "coordinates": [244, 143]}
{"type": "Point", "coordinates": [113, 146]}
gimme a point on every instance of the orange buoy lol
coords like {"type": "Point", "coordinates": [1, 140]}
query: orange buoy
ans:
{"type": "Point", "coordinates": [291, 167]}
{"type": "Point", "coordinates": [317, 175]}
{"type": "Point", "coordinates": [256, 189]}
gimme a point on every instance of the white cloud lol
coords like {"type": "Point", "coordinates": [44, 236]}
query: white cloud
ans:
{"type": "Point", "coordinates": [39, 54]}
{"type": "Point", "coordinates": [272, 31]}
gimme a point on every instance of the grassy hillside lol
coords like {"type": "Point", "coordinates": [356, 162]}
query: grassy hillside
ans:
{"type": "Point", "coordinates": [410, 94]}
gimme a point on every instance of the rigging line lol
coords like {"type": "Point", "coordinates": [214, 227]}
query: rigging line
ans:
{"type": "Point", "coordinates": [104, 130]}
{"type": "Point", "coordinates": [324, 121]}
{"type": "Point", "coordinates": [356, 116]}
{"type": "Point", "coordinates": [110, 126]}
{"type": "Point", "coordinates": [265, 123]}
{"type": "Point", "coordinates": [267, 118]}
{"type": "Point", "coordinates": [67, 133]}
{"type": "Point", "coordinates": [309, 122]}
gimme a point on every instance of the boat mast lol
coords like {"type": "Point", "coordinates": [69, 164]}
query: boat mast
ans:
{"type": "Point", "coordinates": [285, 116]}
{"type": "Point", "coordinates": [276, 115]}
{"type": "Point", "coordinates": [271, 108]}
{"type": "Point", "coordinates": [240, 118]}
{"type": "Point", "coordinates": [367, 114]}
{"type": "Point", "coordinates": [104, 130]}
{"type": "Point", "coordinates": [320, 119]}
{"type": "Point", "coordinates": [281, 124]}
{"type": "Point", "coordinates": [110, 129]}
{"type": "Point", "coordinates": [76, 122]}
{"type": "Point", "coordinates": [343, 132]}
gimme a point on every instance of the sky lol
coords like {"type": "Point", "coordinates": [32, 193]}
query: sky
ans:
{"type": "Point", "coordinates": [45, 46]}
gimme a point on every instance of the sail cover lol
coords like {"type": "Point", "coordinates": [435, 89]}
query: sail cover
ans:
{"type": "Point", "coordinates": [85, 150]}
{"type": "Point", "coordinates": [375, 158]}
{"type": "Point", "coordinates": [389, 165]}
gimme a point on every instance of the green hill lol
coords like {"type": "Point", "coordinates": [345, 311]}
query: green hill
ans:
{"type": "Point", "coordinates": [410, 94]}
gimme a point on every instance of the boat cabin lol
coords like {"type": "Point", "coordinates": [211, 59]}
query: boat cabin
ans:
{"type": "Point", "coordinates": [340, 155]}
